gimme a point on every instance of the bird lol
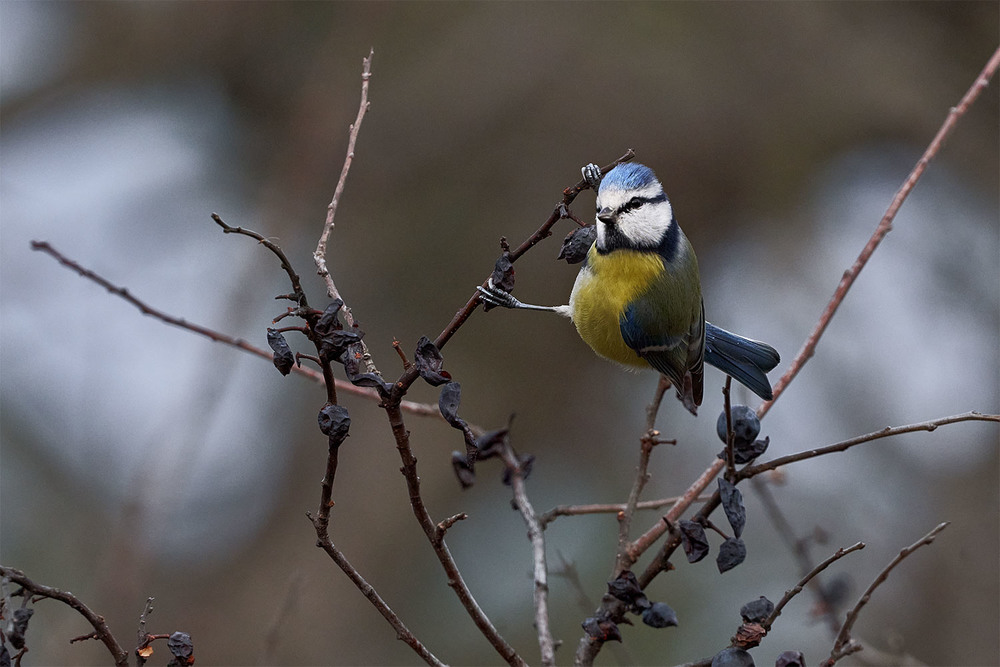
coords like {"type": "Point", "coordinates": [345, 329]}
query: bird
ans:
{"type": "Point", "coordinates": [637, 298]}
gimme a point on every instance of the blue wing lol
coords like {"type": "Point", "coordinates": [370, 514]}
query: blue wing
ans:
{"type": "Point", "coordinates": [678, 356]}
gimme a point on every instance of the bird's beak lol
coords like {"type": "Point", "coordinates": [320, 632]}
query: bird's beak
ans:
{"type": "Point", "coordinates": [607, 215]}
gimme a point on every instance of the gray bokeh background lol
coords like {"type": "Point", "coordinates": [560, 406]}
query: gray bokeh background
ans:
{"type": "Point", "coordinates": [139, 460]}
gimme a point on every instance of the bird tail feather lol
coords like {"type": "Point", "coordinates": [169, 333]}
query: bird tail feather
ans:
{"type": "Point", "coordinates": [746, 360]}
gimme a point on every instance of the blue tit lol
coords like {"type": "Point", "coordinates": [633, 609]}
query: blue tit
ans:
{"type": "Point", "coordinates": [637, 299]}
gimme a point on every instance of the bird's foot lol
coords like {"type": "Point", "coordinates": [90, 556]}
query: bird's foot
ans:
{"type": "Point", "coordinates": [592, 174]}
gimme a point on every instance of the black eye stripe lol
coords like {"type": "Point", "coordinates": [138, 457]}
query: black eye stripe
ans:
{"type": "Point", "coordinates": [636, 202]}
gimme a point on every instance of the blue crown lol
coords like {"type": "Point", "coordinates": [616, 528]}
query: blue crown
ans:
{"type": "Point", "coordinates": [628, 176]}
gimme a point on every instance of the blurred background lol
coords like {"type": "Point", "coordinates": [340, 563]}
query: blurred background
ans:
{"type": "Point", "coordinates": [140, 460]}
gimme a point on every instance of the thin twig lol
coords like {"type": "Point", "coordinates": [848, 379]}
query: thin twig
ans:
{"type": "Point", "coordinates": [413, 407]}
{"type": "Point", "coordinates": [402, 632]}
{"type": "Point", "coordinates": [752, 470]}
{"type": "Point", "coordinates": [623, 559]}
{"type": "Point", "coordinates": [319, 256]}
{"type": "Point", "coordinates": [560, 211]}
{"type": "Point", "coordinates": [551, 515]}
{"type": "Point", "coordinates": [844, 645]}
{"type": "Point", "coordinates": [142, 639]}
{"type": "Point", "coordinates": [101, 628]}
{"type": "Point", "coordinates": [730, 436]}
{"type": "Point", "coordinates": [799, 548]}
{"type": "Point", "coordinates": [787, 597]}
{"type": "Point", "coordinates": [693, 492]}
{"type": "Point", "coordinates": [298, 294]}
{"type": "Point", "coordinates": [536, 534]}
{"type": "Point", "coordinates": [455, 579]}
{"type": "Point", "coordinates": [883, 228]}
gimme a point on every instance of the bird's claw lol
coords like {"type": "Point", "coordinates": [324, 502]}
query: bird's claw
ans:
{"type": "Point", "coordinates": [496, 297]}
{"type": "Point", "coordinates": [592, 174]}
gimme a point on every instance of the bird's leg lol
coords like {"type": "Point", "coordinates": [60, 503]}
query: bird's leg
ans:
{"type": "Point", "coordinates": [497, 297]}
{"type": "Point", "coordinates": [592, 174]}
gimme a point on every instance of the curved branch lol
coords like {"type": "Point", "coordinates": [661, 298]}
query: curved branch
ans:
{"type": "Point", "coordinates": [101, 629]}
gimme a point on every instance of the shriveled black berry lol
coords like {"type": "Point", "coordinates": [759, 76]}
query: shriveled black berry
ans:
{"type": "Point", "coordinates": [577, 243]}
{"type": "Point", "coordinates": [731, 553]}
{"type": "Point", "coordinates": [757, 611]}
{"type": "Point", "coordinates": [732, 657]}
{"type": "Point", "coordinates": [790, 659]}
{"type": "Point", "coordinates": [660, 615]}
{"type": "Point", "coordinates": [694, 540]}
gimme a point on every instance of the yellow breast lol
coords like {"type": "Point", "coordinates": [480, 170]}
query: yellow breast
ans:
{"type": "Point", "coordinates": [603, 288]}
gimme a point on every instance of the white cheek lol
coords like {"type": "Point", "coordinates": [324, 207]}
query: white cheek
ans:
{"type": "Point", "coordinates": [647, 225]}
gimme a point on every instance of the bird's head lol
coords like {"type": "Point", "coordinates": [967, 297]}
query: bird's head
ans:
{"type": "Point", "coordinates": [632, 210]}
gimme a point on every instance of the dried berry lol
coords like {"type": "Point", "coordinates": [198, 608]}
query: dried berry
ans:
{"type": "Point", "coordinates": [601, 629]}
{"type": "Point", "coordinates": [502, 277]}
{"type": "Point", "coordinates": [694, 540]}
{"type": "Point", "coordinates": [745, 452]}
{"type": "Point", "coordinates": [625, 587]}
{"type": "Point", "coordinates": [732, 657]}
{"type": "Point", "coordinates": [181, 648]}
{"type": "Point", "coordinates": [351, 359]}
{"type": "Point", "coordinates": [732, 505]}
{"type": "Point", "coordinates": [19, 626]}
{"type": "Point", "coordinates": [731, 553]}
{"type": "Point", "coordinates": [660, 615]}
{"type": "Point", "coordinates": [283, 358]}
{"type": "Point", "coordinates": [334, 421]}
{"type": "Point", "coordinates": [448, 402]}
{"type": "Point", "coordinates": [429, 362]}
{"type": "Point", "coordinates": [746, 425]}
{"type": "Point", "coordinates": [757, 611]}
{"type": "Point", "coordinates": [329, 321]}
{"type": "Point", "coordinates": [790, 659]}
{"type": "Point", "coordinates": [577, 243]}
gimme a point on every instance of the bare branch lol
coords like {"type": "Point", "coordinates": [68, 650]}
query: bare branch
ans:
{"type": "Point", "coordinates": [560, 211]}
{"type": "Point", "coordinates": [623, 558]}
{"type": "Point", "coordinates": [402, 632]}
{"type": "Point", "coordinates": [101, 629]}
{"type": "Point", "coordinates": [319, 256]}
{"type": "Point", "coordinates": [752, 470]}
{"type": "Point", "coordinates": [844, 645]}
{"type": "Point", "coordinates": [536, 534]}
{"type": "Point", "coordinates": [422, 409]}
{"type": "Point", "coordinates": [455, 579]}
{"type": "Point", "coordinates": [606, 508]}
{"type": "Point", "coordinates": [840, 553]}
{"type": "Point", "coordinates": [799, 548]}
{"type": "Point", "coordinates": [883, 228]}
